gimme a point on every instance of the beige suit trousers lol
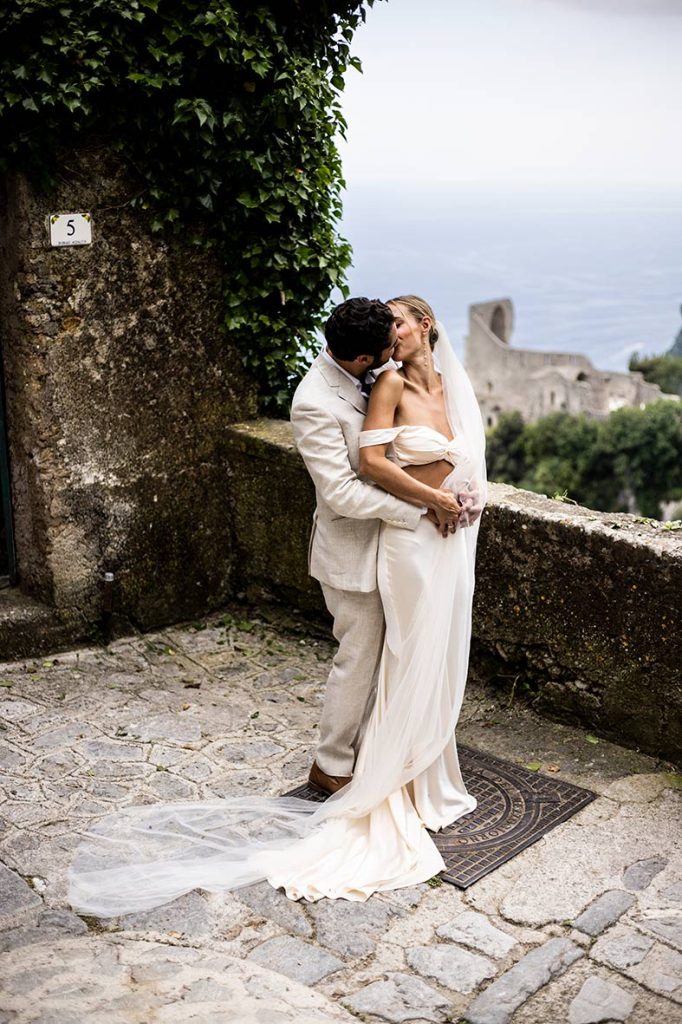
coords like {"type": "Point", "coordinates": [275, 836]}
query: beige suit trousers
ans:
{"type": "Point", "coordinates": [351, 686]}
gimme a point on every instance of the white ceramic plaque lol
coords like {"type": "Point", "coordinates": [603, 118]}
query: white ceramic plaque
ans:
{"type": "Point", "coordinates": [70, 229]}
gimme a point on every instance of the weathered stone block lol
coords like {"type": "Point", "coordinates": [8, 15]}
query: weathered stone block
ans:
{"type": "Point", "coordinates": [640, 874]}
{"type": "Point", "coordinates": [272, 530]}
{"type": "Point", "coordinates": [275, 906]}
{"type": "Point", "coordinates": [605, 911]}
{"type": "Point", "coordinates": [119, 385]}
{"type": "Point", "coordinates": [18, 902]}
{"type": "Point", "coordinates": [455, 968]}
{"type": "Point", "coordinates": [352, 929]}
{"type": "Point", "coordinates": [299, 960]}
{"type": "Point", "coordinates": [598, 1001]}
{"type": "Point", "coordinates": [498, 1002]}
{"type": "Point", "coordinates": [475, 930]}
{"type": "Point", "coordinates": [399, 999]}
{"type": "Point", "coordinates": [622, 950]}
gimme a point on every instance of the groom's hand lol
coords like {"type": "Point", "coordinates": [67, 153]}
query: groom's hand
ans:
{"type": "Point", "coordinates": [444, 523]}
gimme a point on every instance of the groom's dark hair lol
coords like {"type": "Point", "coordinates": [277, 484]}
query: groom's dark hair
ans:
{"type": "Point", "coordinates": [359, 327]}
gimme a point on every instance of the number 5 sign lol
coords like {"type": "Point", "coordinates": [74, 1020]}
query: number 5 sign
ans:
{"type": "Point", "coordinates": [70, 228]}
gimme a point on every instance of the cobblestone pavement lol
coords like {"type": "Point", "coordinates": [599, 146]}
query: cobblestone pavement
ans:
{"type": "Point", "coordinates": [584, 926]}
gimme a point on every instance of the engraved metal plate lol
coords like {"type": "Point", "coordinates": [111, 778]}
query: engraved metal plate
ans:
{"type": "Point", "coordinates": [515, 808]}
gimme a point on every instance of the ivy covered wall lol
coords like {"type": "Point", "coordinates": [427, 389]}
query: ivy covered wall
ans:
{"type": "Point", "coordinates": [225, 114]}
{"type": "Point", "coordinates": [200, 136]}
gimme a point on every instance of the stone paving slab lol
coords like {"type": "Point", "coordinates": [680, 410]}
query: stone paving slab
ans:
{"type": "Point", "coordinates": [599, 1001]}
{"type": "Point", "coordinates": [552, 1003]}
{"type": "Point", "coordinates": [109, 979]}
{"type": "Point", "coordinates": [231, 706]}
{"type": "Point", "coordinates": [17, 900]}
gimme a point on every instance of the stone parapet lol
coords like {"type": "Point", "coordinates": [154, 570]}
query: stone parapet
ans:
{"type": "Point", "coordinates": [575, 610]}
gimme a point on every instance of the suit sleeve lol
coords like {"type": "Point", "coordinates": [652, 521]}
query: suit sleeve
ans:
{"type": "Point", "coordinates": [319, 438]}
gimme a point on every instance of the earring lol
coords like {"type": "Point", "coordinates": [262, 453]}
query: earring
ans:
{"type": "Point", "coordinates": [426, 355]}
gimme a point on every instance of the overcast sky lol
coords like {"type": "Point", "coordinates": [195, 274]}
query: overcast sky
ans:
{"type": "Point", "coordinates": [517, 92]}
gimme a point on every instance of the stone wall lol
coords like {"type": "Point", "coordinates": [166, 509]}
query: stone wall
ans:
{"type": "Point", "coordinates": [576, 610]}
{"type": "Point", "coordinates": [119, 387]}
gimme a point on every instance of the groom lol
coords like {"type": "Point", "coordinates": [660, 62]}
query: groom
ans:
{"type": "Point", "coordinates": [327, 414]}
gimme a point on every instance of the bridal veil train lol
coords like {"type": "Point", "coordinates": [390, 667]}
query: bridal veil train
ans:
{"type": "Point", "coordinates": [372, 834]}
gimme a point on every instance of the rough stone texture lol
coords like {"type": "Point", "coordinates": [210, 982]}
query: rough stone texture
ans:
{"type": "Point", "coordinates": [598, 1001]}
{"type": "Point", "coordinates": [500, 999]}
{"type": "Point", "coordinates": [103, 978]}
{"type": "Point", "coordinates": [622, 948]}
{"type": "Point", "coordinates": [275, 906]}
{"type": "Point", "coordinates": [28, 627]}
{"type": "Point", "coordinates": [272, 550]}
{"type": "Point", "coordinates": [17, 900]}
{"type": "Point", "coordinates": [297, 959]}
{"type": "Point", "coordinates": [546, 573]}
{"type": "Point", "coordinates": [604, 911]}
{"type": "Point", "coordinates": [351, 929]}
{"type": "Point", "coordinates": [119, 384]}
{"type": "Point", "coordinates": [475, 930]}
{"type": "Point", "coordinates": [189, 915]}
{"type": "Point", "coordinates": [661, 971]}
{"type": "Point", "coordinates": [668, 928]}
{"type": "Point", "coordinates": [574, 864]}
{"type": "Point", "coordinates": [640, 874]}
{"type": "Point", "coordinates": [49, 926]}
{"type": "Point", "coordinates": [400, 998]}
{"type": "Point", "coordinates": [455, 968]}
{"type": "Point", "coordinates": [551, 1004]}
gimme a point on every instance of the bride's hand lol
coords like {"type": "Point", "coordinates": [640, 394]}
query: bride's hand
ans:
{"type": "Point", "coordinates": [445, 503]}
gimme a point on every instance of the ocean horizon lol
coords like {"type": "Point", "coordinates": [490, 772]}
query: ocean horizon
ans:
{"type": "Point", "coordinates": [588, 271]}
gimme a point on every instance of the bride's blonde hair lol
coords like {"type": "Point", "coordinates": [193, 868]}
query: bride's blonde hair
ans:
{"type": "Point", "coordinates": [419, 308]}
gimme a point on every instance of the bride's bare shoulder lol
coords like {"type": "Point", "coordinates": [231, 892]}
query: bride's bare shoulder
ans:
{"type": "Point", "coordinates": [389, 382]}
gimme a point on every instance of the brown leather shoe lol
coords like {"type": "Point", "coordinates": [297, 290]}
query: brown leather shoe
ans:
{"type": "Point", "coordinates": [324, 783]}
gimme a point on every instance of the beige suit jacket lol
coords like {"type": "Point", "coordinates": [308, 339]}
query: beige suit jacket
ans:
{"type": "Point", "coordinates": [327, 414]}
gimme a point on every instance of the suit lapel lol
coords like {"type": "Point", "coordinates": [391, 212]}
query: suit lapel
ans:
{"type": "Point", "coordinates": [338, 381]}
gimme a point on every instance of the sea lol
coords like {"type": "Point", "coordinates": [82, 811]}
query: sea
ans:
{"type": "Point", "coordinates": [589, 270]}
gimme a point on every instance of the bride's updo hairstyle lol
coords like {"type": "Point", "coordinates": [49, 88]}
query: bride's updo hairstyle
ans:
{"type": "Point", "coordinates": [419, 308]}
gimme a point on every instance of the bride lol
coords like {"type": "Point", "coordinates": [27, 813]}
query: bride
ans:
{"type": "Point", "coordinates": [371, 835]}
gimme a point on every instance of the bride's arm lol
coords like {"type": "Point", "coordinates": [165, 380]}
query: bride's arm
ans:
{"type": "Point", "coordinates": [374, 465]}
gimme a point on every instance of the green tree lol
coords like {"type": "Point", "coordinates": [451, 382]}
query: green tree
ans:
{"type": "Point", "coordinates": [505, 453]}
{"type": "Point", "coordinates": [646, 448]}
{"type": "Point", "coordinates": [599, 463]}
{"type": "Point", "coordinates": [557, 449]}
{"type": "Point", "coordinates": [665, 370]}
{"type": "Point", "coordinates": [226, 114]}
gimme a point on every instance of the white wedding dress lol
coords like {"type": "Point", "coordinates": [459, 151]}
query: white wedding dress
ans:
{"type": "Point", "coordinates": [372, 835]}
{"type": "Point", "coordinates": [421, 684]}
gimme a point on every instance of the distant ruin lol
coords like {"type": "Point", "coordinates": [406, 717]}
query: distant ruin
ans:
{"type": "Point", "coordinates": [536, 383]}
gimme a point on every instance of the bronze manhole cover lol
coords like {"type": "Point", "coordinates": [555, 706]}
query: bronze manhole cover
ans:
{"type": "Point", "coordinates": [515, 808]}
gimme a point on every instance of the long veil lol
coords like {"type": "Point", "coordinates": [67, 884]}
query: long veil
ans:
{"type": "Point", "coordinates": [142, 857]}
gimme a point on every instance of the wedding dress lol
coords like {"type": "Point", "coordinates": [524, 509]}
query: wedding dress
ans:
{"type": "Point", "coordinates": [371, 836]}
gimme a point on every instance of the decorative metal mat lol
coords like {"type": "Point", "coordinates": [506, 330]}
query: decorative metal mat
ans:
{"type": "Point", "coordinates": [515, 808]}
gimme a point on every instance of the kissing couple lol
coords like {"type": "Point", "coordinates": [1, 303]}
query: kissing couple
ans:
{"type": "Point", "coordinates": [390, 431]}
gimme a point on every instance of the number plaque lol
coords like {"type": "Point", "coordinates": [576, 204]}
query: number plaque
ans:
{"type": "Point", "coordinates": [70, 228]}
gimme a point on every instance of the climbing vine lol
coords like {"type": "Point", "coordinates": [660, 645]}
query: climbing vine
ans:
{"type": "Point", "coordinates": [227, 112]}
